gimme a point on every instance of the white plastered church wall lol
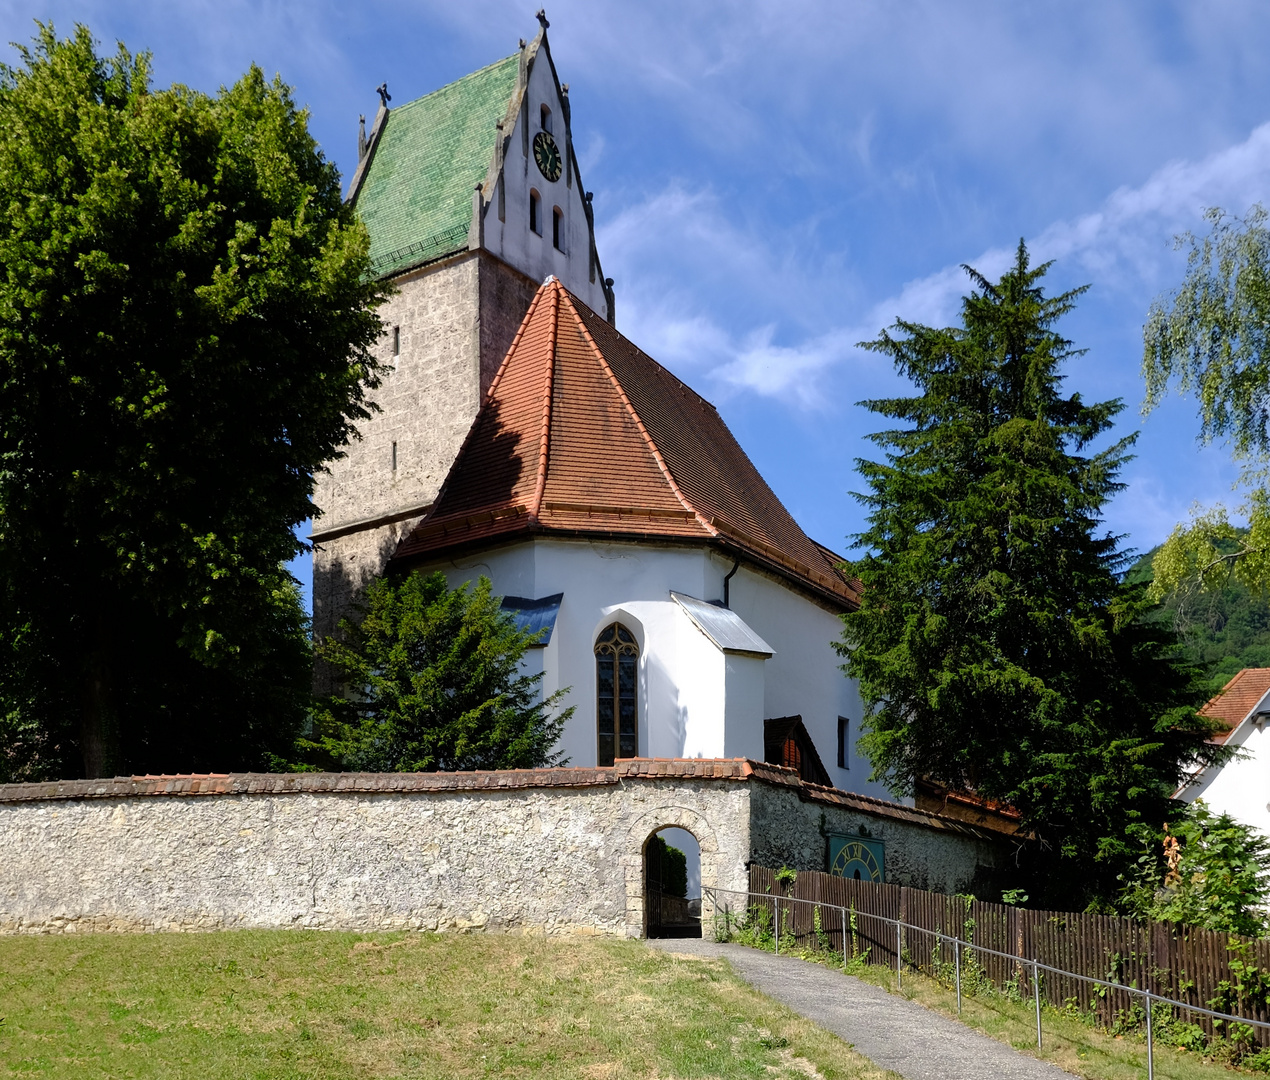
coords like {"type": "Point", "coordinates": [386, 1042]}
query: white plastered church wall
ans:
{"type": "Point", "coordinates": [699, 677]}
{"type": "Point", "coordinates": [800, 678]}
{"type": "Point", "coordinates": [511, 238]}
{"type": "Point", "coordinates": [694, 700]}
{"type": "Point", "coordinates": [680, 689]}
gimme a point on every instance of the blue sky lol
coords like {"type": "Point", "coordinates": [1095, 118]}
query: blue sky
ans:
{"type": "Point", "coordinates": [775, 182]}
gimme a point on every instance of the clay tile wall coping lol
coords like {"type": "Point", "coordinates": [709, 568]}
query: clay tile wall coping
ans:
{"type": "Point", "coordinates": [714, 769]}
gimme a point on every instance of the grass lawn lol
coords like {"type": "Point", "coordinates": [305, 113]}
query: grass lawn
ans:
{"type": "Point", "coordinates": [1067, 1040]}
{"type": "Point", "coordinates": [299, 1004]}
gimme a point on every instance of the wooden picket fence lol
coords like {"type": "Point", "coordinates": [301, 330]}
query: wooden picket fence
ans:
{"type": "Point", "coordinates": [1187, 965]}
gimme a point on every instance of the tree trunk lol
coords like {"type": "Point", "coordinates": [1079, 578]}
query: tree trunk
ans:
{"type": "Point", "coordinates": [98, 731]}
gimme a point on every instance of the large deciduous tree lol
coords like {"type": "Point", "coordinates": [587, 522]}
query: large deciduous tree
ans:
{"type": "Point", "coordinates": [432, 681]}
{"type": "Point", "coordinates": [997, 648]}
{"type": "Point", "coordinates": [1211, 338]}
{"type": "Point", "coordinates": [185, 322]}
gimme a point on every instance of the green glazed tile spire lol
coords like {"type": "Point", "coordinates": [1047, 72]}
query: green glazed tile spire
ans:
{"type": "Point", "coordinates": [416, 198]}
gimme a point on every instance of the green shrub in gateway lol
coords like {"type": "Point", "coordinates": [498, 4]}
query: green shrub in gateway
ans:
{"type": "Point", "coordinates": [996, 645]}
{"type": "Point", "coordinates": [669, 867]}
{"type": "Point", "coordinates": [185, 318]}
{"type": "Point", "coordinates": [433, 682]}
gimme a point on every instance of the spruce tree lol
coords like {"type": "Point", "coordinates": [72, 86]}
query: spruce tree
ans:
{"type": "Point", "coordinates": [997, 648]}
{"type": "Point", "coordinates": [432, 682]}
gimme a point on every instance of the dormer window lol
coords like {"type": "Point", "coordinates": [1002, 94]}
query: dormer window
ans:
{"type": "Point", "coordinates": [535, 212]}
{"type": "Point", "coordinates": [557, 219]}
{"type": "Point", "coordinates": [545, 119]}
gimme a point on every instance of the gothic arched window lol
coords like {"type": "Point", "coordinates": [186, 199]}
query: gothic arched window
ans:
{"type": "Point", "coordinates": [616, 667]}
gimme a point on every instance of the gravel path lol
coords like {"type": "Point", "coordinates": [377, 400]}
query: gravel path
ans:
{"type": "Point", "coordinates": [894, 1033]}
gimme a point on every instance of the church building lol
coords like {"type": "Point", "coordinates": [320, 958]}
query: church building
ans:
{"type": "Point", "coordinates": [523, 438]}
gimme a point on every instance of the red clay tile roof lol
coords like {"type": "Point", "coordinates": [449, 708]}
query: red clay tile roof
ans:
{"type": "Point", "coordinates": [583, 434]}
{"type": "Point", "coordinates": [1237, 699]}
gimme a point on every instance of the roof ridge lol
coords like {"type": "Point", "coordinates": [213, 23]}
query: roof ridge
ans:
{"type": "Point", "coordinates": [648, 439]}
{"type": "Point", "coordinates": [544, 440]}
{"type": "Point", "coordinates": [683, 386]}
{"type": "Point", "coordinates": [1216, 700]}
{"type": "Point", "coordinates": [724, 526]}
{"type": "Point", "coordinates": [455, 82]}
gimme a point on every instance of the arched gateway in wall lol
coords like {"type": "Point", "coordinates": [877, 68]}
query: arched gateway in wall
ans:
{"type": "Point", "coordinates": [640, 833]}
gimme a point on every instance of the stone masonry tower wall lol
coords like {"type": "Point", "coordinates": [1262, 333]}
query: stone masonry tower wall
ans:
{"type": "Point", "coordinates": [451, 323]}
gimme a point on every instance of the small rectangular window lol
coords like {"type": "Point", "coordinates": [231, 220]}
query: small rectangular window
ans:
{"type": "Point", "coordinates": [844, 744]}
{"type": "Point", "coordinates": [534, 200]}
{"type": "Point", "coordinates": [556, 216]}
{"type": "Point", "coordinates": [396, 341]}
{"type": "Point", "coordinates": [394, 457]}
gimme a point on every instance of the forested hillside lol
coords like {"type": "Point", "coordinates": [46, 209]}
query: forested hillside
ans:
{"type": "Point", "coordinates": [1221, 631]}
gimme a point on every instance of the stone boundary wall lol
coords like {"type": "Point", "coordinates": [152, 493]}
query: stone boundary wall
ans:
{"type": "Point", "coordinates": [547, 850]}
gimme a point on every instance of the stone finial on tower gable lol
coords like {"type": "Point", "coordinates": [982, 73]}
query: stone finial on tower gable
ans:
{"type": "Point", "coordinates": [541, 16]}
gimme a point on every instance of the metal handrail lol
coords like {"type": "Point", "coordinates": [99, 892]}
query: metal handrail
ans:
{"type": "Point", "coordinates": [1035, 964]}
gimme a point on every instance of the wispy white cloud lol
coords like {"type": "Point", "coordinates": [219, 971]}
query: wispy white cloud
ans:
{"type": "Point", "coordinates": [1131, 230]}
{"type": "Point", "coordinates": [1124, 246]}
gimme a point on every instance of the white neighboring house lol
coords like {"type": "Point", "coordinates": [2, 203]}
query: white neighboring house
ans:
{"type": "Point", "coordinates": [1241, 787]}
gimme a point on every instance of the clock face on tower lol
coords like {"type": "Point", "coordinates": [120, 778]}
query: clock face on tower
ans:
{"type": "Point", "coordinates": [547, 154]}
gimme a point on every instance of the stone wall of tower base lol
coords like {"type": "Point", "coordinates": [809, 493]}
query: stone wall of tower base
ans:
{"type": "Point", "coordinates": [343, 566]}
{"type": "Point", "coordinates": [452, 323]}
{"type": "Point", "coordinates": [553, 850]}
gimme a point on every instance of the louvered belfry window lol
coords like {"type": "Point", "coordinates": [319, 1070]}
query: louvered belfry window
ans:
{"type": "Point", "coordinates": [616, 670]}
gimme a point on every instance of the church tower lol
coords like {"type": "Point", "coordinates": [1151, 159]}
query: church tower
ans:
{"type": "Point", "coordinates": [472, 198]}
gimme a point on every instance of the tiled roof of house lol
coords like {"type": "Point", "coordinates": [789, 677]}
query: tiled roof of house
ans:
{"type": "Point", "coordinates": [429, 155]}
{"type": "Point", "coordinates": [967, 806]}
{"type": "Point", "coordinates": [582, 433]}
{"type": "Point", "coordinates": [1237, 699]}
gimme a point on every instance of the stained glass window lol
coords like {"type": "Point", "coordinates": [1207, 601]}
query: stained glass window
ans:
{"type": "Point", "coordinates": [616, 681]}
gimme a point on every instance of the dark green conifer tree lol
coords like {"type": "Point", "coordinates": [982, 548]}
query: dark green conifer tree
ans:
{"type": "Point", "coordinates": [996, 646]}
{"type": "Point", "coordinates": [432, 682]}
